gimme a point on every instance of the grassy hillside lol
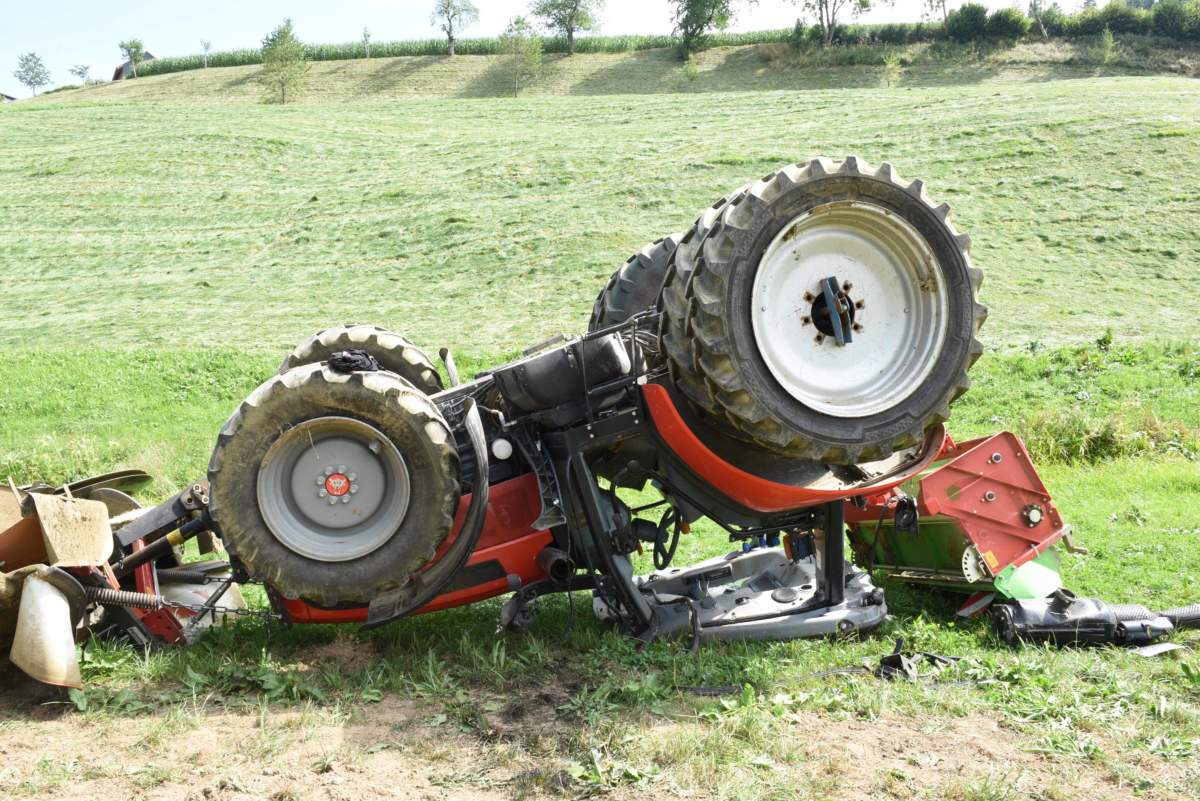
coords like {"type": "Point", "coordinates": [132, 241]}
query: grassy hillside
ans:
{"type": "Point", "coordinates": [251, 225]}
{"type": "Point", "coordinates": [747, 68]}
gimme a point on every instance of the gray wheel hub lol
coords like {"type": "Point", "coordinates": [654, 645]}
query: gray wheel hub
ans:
{"type": "Point", "coordinates": [333, 489]}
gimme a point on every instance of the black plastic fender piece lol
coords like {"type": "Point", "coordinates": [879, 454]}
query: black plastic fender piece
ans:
{"type": "Point", "coordinates": [550, 379]}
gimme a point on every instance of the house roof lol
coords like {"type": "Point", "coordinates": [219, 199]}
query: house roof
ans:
{"type": "Point", "coordinates": [125, 68]}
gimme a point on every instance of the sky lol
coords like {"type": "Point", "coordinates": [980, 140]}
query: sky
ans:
{"type": "Point", "coordinates": [87, 32]}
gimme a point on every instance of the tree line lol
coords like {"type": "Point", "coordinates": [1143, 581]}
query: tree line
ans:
{"type": "Point", "coordinates": [556, 25]}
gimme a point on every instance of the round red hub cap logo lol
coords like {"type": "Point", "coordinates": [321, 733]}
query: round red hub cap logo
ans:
{"type": "Point", "coordinates": [337, 484]}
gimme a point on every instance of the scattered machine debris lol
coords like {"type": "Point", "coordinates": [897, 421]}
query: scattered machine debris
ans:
{"type": "Point", "coordinates": [784, 368]}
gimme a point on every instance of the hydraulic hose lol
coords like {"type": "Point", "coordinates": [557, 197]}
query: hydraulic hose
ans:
{"type": "Point", "coordinates": [1183, 617]}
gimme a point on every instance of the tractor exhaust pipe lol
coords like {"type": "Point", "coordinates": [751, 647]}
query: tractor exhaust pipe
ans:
{"type": "Point", "coordinates": [556, 564]}
{"type": "Point", "coordinates": [52, 602]}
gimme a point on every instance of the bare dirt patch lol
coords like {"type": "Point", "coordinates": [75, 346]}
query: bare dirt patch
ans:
{"type": "Point", "coordinates": [409, 749]}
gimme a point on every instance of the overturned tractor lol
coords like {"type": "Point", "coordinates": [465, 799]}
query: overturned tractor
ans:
{"type": "Point", "coordinates": [783, 368]}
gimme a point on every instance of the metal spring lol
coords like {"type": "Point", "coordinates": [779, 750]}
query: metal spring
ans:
{"type": "Point", "coordinates": [111, 597]}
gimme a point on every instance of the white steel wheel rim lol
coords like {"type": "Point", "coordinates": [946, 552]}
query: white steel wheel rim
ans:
{"type": "Point", "coordinates": [307, 504]}
{"type": "Point", "coordinates": [900, 316]}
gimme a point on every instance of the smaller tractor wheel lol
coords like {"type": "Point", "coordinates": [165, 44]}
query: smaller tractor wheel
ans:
{"type": "Point", "coordinates": [393, 352]}
{"type": "Point", "coordinates": [634, 287]}
{"type": "Point", "coordinates": [334, 486]}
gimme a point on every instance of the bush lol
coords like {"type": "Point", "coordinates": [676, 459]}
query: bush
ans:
{"type": "Point", "coordinates": [1055, 20]}
{"type": "Point", "coordinates": [1088, 22]}
{"type": "Point", "coordinates": [1007, 23]}
{"type": "Point", "coordinates": [1120, 18]}
{"type": "Point", "coordinates": [796, 39]}
{"type": "Point", "coordinates": [967, 23]}
{"type": "Point", "coordinates": [1177, 20]}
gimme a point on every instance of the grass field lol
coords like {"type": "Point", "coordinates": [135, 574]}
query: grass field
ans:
{"type": "Point", "coordinates": [164, 242]}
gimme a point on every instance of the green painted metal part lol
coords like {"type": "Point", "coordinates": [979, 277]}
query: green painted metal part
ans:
{"type": "Point", "coordinates": [934, 557]}
{"type": "Point", "coordinates": [1034, 579]}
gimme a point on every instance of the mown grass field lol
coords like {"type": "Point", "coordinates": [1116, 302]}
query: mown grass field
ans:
{"type": "Point", "coordinates": [165, 242]}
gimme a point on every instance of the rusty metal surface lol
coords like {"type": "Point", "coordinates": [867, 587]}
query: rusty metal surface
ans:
{"type": "Point", "coordinates": [22, 544]}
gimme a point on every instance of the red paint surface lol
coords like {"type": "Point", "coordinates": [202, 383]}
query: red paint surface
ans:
{"type": "Point", "coordinates": [751, 491]}
{"type": "Point", "coordinates": [999, 465]}
{"type": "Point", "coordinates": [508, 537]}
{"type": "Point", "coordinates": [959, 487]}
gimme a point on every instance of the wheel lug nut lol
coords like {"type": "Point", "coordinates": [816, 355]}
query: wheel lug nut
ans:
{"type": "Point", "coordinates": [328, 470]}
{"type": "Point", "coordinates": [332, 501]}
{"type": "Point", "coordinates": [321, 493]}
{"type": "Point", "coordinates": [320, 481]}
{"type": "Point", "coordinates": [341, 468]}
{"type": "Point", "coordinates": [351, 476]}
{"type": "Point", "coordinates": [345, 499]}
{"type": "Point", "coordinates": [353, 488]}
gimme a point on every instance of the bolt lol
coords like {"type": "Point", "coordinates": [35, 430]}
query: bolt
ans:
{"type": "Point", "coordinates": [857, 327]}
{"type": "Point", "coordinates": [989, 496]}
{"type": "Point", "coordinates": [332, 501]}
{"type": "Point", "coordinates": [996, 458]}
{"type": "Point", "coordinates": [805, 320]}
{"type": "Point", "coordinates": [809, 296]}
{"type": "Point", "coordinates": [320, 481]}
{"type": "Point", "coordinates": [847, 286]}
{"type": "Point", "coordinates": [859, 304]}
{"type": "Point", "coordinates": [352, 476]}
{"type": "Point", "coordinates": [321, 493]}
{"type": "Point", "coordinates": [345, 499]}
{"type": "Point", "coordinates": [819, 338]}
{"type": "Point", "coordinates": [341, 468]}
{"type": "Point", "coordinates": [328, 470]}
{"type": "Point", "coordinates": [353, 488]}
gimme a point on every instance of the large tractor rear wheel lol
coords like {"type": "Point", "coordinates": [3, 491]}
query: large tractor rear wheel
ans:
{"type": "Point", "coordinates": [831, 313]}
{"type": "Point", "coordinates": [634, 287]}
{"type": "Point", "coordinates": [334, 486]}
{"type": "Point", "coordinates": [676, 335]}
{"type": "Point", "coordinates": [393, 352]}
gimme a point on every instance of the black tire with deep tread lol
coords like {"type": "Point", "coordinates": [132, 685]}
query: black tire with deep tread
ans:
{"type": "Point", "coordinates": [384, 400]}
{"type": "Point", "coordinates": [395, 353]}
{"type": "Point", "coordinates": [635, 285]}
{"type": "Point", "coordinates": [673, 302]}
{"type": "Point", "coordinates": [710, 342]}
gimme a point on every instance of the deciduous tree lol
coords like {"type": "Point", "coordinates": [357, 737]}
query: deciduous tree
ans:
{"type": "Point", "coordinates": [828, 12]}
{"type": "Point", "coordinates": [567, 17]}
{"type": "Point", "coordinates": [81, 71]}
{"type": "Point", "coordinates": [524, 53]}
{"type": "Point", "coordinates": [31, 71]}
{"type": "Point", "coordinates": [132, 50]}
{"type": "Point", "coordinates": [284, 63]}
{"type": "Point", "coordinates": [453, 17]}
{"type": "Point", "coordinates": [1037, 9]}
{"type": "Point", "coordinates": [695, 18]}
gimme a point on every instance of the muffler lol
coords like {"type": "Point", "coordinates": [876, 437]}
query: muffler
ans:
{"type": "Point", "coordinates": [52, 603]}
{"type": "Point", "coordinates": [556, 564]}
